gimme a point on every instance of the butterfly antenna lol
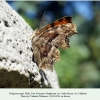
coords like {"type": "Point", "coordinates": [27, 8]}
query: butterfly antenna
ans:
{"type": "Point", "coordinates": [42, 20]}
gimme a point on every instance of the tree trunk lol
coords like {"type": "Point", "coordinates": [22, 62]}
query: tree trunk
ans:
{"type": "Point", "coordinates": [17, 70]}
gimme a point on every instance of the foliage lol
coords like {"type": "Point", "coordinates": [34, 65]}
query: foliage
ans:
{"type": "Point", "coordinates": [80, 64]}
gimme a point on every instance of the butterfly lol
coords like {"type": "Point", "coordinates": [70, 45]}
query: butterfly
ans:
{"type": "Point", "coordinates": [45, 42]}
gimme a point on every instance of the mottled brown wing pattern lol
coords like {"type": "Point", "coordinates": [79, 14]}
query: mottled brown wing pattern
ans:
{"type": "Point", "coordinates": [45, 42]}
{"type": "Point", "coordinates": [58, 22]}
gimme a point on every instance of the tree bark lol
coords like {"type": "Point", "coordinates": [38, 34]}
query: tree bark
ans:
{"type": "Point", "coordinates": [16, 66]}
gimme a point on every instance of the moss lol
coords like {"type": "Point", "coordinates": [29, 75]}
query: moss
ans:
{"type": "Point", "coordinates": [13, 79]}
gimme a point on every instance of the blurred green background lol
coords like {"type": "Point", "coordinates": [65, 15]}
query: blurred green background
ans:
{"type": "Point", "coordinates": [79, 66]}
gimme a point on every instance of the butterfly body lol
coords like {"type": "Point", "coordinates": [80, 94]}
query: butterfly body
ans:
{"type": "Point", "coordinates": [45, 42]}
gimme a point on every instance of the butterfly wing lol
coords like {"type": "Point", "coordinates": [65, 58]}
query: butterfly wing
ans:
{"type": "Point", "coordinates": [47, 40]}
{"type": "Point", "coordinates": [63, 20]}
